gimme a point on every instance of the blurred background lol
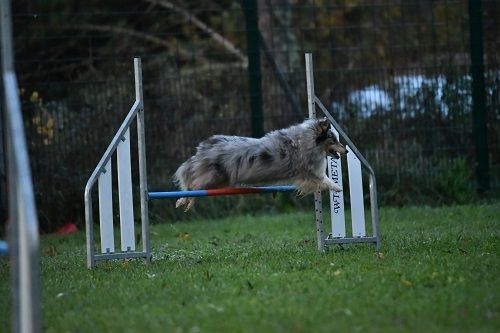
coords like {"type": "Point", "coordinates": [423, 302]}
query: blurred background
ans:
{"type": "Point", "coordinates": [416, 85]}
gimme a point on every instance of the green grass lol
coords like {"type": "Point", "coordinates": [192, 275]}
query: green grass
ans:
{"type": "Point", "coordinates": [437, 271]}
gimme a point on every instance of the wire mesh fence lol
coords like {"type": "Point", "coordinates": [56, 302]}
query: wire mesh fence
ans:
{"type": "Point", "coordinates": [396, 75]}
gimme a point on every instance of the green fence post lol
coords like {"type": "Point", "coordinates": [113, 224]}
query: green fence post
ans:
{"type": "Point", "coordinates": [254, 72]}
{"type": "Point", "coordinates": [480, 129]}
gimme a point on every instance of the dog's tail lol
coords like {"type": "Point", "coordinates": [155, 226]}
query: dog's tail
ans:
{"type": "Point", "coordinates": [182, 177]}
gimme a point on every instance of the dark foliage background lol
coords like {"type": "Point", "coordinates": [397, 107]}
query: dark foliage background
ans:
{"type": "Point", "coordinates": [396, 74]}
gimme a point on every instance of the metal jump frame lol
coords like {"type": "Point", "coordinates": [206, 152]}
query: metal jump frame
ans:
{"type": "Point", "coordinates": [314, 101]}
{"type": "Point", "coordinates": [102, 172]}
{"type": "Point", "coordinates": [121, 142]}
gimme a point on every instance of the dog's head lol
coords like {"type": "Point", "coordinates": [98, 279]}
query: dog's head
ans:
{"type": "Point", "coordinates": [328, 140]}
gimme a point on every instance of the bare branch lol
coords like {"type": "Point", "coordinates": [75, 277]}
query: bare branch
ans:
{"type": "Point", "coordinates": [227, 44]}
{"type": "Point", "coordinates": [130, 33]}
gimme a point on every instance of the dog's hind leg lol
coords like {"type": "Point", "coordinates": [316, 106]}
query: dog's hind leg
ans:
{"type": "Point", "coordinates": [184, 179]}
{"type": "Point", "coordinates": [190, 203]}
{"type": "Point", "coordinates": [187, 202]}
{"type": "Point", "coordinates": [215, 177]}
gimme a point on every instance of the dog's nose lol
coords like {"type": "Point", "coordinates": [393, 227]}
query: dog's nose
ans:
{"type": "Point", "coordinates": [346, 151]}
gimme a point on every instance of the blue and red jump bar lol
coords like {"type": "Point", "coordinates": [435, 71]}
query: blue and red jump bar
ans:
{"type": "Point", "coordinates": [220, 191]}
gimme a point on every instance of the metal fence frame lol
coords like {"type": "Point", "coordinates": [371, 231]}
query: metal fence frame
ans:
{"type": "Point", "coordinates": [23, 219]}
{"type": "Point", "coordinates": [393, 90]}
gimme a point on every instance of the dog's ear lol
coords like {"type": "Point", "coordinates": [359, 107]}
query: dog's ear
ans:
{"type": "Point", "coordinates": [323, 124]}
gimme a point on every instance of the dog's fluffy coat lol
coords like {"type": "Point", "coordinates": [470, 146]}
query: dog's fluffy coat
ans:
{"type": "Point", "coordinates": [294, 155]}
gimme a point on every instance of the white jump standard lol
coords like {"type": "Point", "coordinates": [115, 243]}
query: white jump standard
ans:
{"type": "Point", "coordinates": [121, 144]}
{"type": "Point", "coordinates": [102, 174]}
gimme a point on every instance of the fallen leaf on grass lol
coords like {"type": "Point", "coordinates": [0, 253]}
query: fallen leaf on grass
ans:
{"type": "Point", "coordinates": [304, 242]}
{"type": "Point", "coordinates": [406, 282]}
{"type": "Point", "coordinates": [185, 236]}
{"type": "Point", "coordinates": [51, 251]}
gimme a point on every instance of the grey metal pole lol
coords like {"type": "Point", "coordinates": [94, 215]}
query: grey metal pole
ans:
{"type": "Point", "coordinates": [311, 104]}
{"type": "Point", "coordinates": [374, 209]}
{"type": "Point", "coordinates": [26, 313]}
{"type": "Point", "coordinates": [89, 227]}
{"type": "Point", "coordinates": [141, 138]}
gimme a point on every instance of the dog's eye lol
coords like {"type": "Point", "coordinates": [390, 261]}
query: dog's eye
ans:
{"type": "Point", "coordinates": [332, 137]}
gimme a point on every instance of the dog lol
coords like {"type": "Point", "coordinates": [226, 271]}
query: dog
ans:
{"type": "Point", "coordinates": [295, 155]}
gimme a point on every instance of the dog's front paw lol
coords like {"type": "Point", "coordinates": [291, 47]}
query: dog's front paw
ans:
{"type": "Point", "coordinates": [336, 188]}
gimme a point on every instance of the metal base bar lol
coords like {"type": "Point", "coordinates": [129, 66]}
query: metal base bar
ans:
{"type": "Point", "coordinates": [331, 240]}
{"type": "Point", "coordinates": [122, 255]}
{"type": "Point", "coordinates": [220, 191]}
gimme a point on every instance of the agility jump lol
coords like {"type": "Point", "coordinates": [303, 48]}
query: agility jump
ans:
{"type": "Point", "coordinates": [121, 145]}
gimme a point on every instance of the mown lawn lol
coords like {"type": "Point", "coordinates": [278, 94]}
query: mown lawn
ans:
{"type": "Point", "coordinates": [438, 270]}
